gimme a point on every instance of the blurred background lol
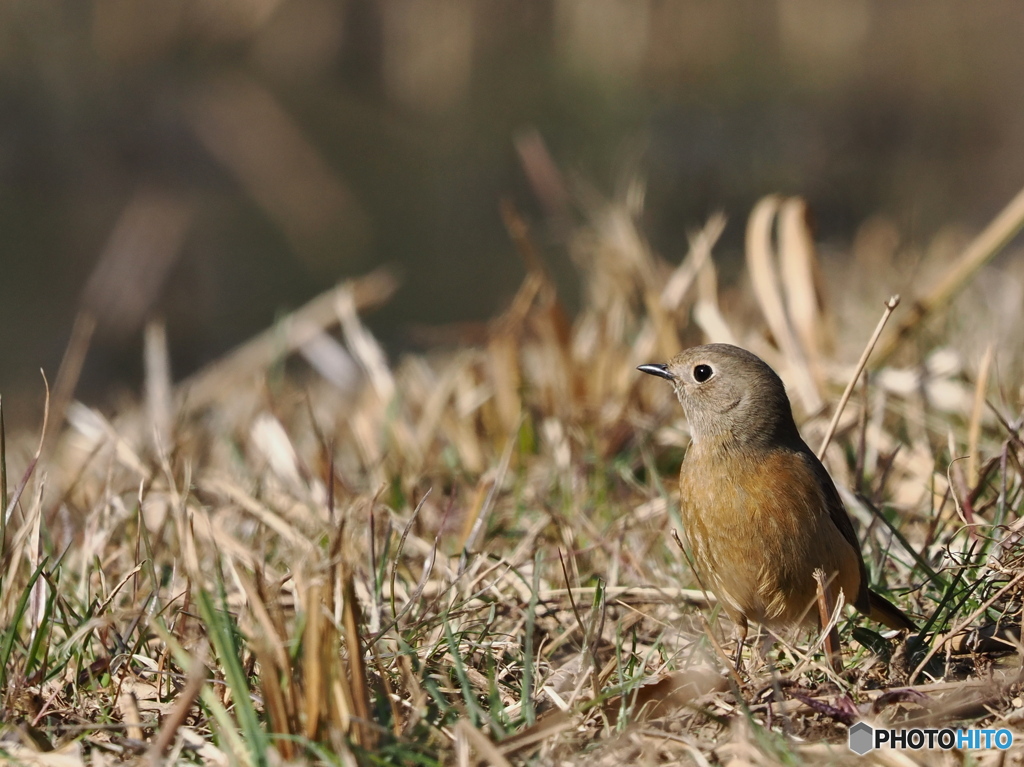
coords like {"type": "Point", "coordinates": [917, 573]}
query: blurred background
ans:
{"type": "Point", "coordinates": [217, 163]}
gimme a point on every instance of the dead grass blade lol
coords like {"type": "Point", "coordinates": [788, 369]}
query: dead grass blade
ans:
{"type": "Point", "coordinates": [764, 278]}
{"type": "Point", "coordinates": [481, 744]}
{"type": "Point", "coordinates": [318, 683]}
{"type": "Point", "coordinates": [800, 274]}
{"type": "Point", "coordinates": [364, 733]}
{"type": "Point", "coordinates": [990, 241]}
{"type": "Point", "coordinates": [977, 411]}
{"type": "Point", "coordinates": [293, 331]}
{"type": "Point", "coordinates": [890, 307]}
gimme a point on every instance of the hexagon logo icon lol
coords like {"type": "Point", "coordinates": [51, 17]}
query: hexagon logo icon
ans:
{"type": "Point", "coordinates": [862, 738]}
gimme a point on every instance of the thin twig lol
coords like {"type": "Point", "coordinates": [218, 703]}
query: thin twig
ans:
{"type": "Point", "coordinates": [890, 307]}
{"type": "Point", "coordinates": [827, 617]}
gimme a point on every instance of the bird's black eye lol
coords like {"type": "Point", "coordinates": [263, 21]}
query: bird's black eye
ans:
{"type": "Point", "coordinates": [701, 373]}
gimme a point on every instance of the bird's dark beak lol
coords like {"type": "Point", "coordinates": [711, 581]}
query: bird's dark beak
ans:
{"type": "Point", "coordinates": [657, 370]}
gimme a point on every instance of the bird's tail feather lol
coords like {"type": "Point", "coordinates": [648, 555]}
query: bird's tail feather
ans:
{"type": "Point", "coordinates": [888, 614]}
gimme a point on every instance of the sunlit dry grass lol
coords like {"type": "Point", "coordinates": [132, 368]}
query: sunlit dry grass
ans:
{"type": "Point", "coordinates": [309, 553]}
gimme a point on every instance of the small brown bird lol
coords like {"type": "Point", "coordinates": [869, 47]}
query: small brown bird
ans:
{"type": "Point", "coordinates": [760, 511]}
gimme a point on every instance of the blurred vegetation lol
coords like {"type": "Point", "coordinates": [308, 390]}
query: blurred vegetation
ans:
{"type": "Point", "coordinates": [228, 160]}
{"type": "Point", "coordinates": [318, 549]}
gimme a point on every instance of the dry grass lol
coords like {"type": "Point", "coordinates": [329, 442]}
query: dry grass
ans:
{"type": "Point", "coordinates": [466, 558]}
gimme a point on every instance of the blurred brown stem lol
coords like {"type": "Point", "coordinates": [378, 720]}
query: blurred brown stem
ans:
{"type": "Point", "coordinates": [70, 369]}
{"type": "Point", "coordinates": [982, 249]}
{"type": "Point", "coordinates": [286, 336]}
